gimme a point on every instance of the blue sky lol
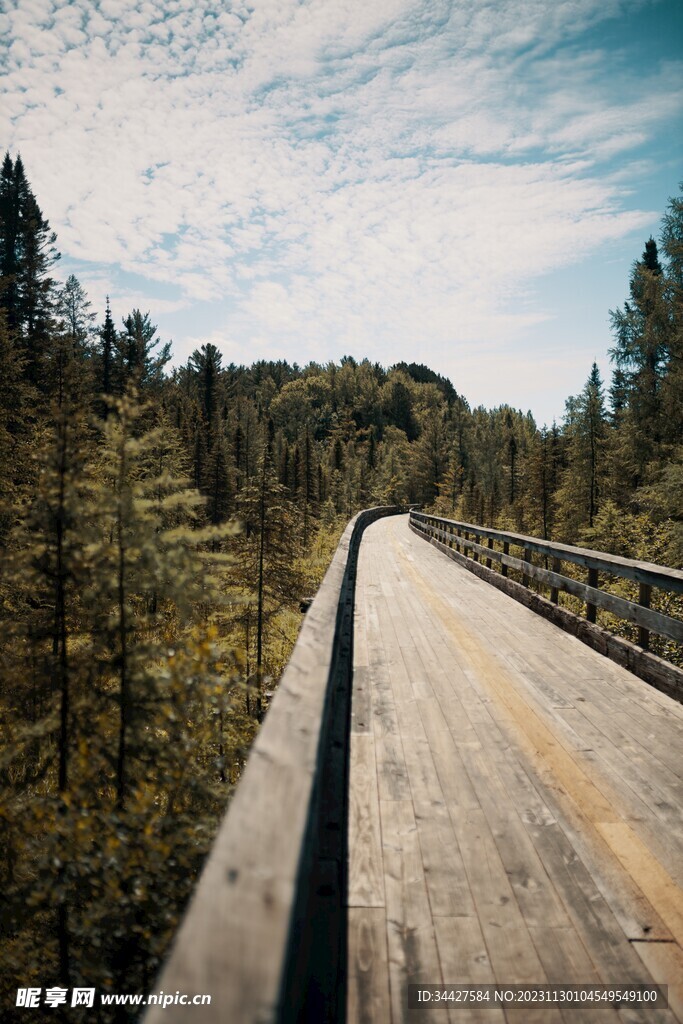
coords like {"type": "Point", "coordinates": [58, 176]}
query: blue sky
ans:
{"type": "Point", "coordinates": [463, 183]}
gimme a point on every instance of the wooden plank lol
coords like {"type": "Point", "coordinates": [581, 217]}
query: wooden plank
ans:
{"type": "Point", "coordinates": [566, 962]}
{"type": "Point", "coordinates": [660, 790]}
{"type": "Point", "coordinates": [609, 744]}
{"type": "Point", "coordinates": [392, 774]}
{"type": "Point", "coordinates": [507, 937]}
{"type": "Point", "coordinates": [635, 913]}
{"type": "Point", "coordinates": [368, 971]}
{"type": "Point", "coordinates": [597, 810]}
{"type": "Point", "coordinates": [464, 959]}
{"type": "Point", "coordinates": [664, 961]}
{"type": "Point", "coordinates": [453, 778]}
{"type": "Point", "coordinates": [646, 808]}
{"type": "Point", "coordinates": [416, 671]}
{"type": "Point", "coordinates": [660, 748]}
{"type": "Point", "coordinates": [413, 955]}
{"type": "Point", "coordinates": [515, 843]}
{"type": "Point", "coordinates": [449, 893]}
{"type": "Point", "coordinates": [592, 917]}
{"type": "Point", "coordinates": [366, 871]}
{"type": "Point", "coordinates": [661, 674]}
{"type": "Point", "coordinates": [361, 705]}
{"type": "Point", "coordinates": [530, 883]}
{"type": "Point", "coordinates": [641, 615]}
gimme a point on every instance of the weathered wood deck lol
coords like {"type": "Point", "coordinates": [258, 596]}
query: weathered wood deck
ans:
{"type": "Point", "coordinates": [515, 800]}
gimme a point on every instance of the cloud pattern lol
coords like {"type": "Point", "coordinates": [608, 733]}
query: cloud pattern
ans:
{"type": "Point", "coordinates": [388, 178]}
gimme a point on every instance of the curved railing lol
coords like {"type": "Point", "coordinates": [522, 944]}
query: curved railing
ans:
{"type": "Point", "coordinates": [465, 542]}
{"type": "Point", "coordinates": [265, 932]}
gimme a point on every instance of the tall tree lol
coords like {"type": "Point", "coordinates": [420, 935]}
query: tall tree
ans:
{"type": "Point", "coordinates": [265, 567]}
{"type": "Point", "coordinates": [642, 331]}
{"type": "Point", "coordinates": [586, 428]}
{"type": "Point", "coordinates": [27, 252]}
{"type": "Point", "coordinates": [139, 364]}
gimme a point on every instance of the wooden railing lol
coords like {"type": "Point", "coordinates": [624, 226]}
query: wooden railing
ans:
{"type": "Point", "coordinates": [264, 934]}
{"type": "Point", "coordinates": [466, 537]}
{"type": "Point", "coordinates": [485, 546]}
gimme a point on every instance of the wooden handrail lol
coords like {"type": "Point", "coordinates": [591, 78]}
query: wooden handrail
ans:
{"type": "Point", "coordinates": [647, 574]}
{"type": "Point", "coordinates": [628, 568]}
{"type": "Point", "coordinates": [264, 933]}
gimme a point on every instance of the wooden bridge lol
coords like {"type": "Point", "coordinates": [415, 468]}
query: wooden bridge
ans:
{"type": "Point", "coordinates": [449, 789]}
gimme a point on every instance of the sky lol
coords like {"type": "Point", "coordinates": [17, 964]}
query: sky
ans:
{"type": "Point", "coordinates": [461, 183]}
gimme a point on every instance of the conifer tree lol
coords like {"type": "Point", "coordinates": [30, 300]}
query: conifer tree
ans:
{"type": "Point", "coordinates": [106, 349]}
{"type": "Point", "coordinates": [205, 364]}
{"type": "Point", "coordinates": [17, 404]}
{"type": "Point", "coordinates": [580, 492]}
{"type": "Point", "coordinates": [73, 305]}
{"type": "Point", "coordinates": [265, 567]}
{"type": "Point", "coordinates": [138, 364]}
{"type": "Point", "coordinates": [642, 331]}
{"type": "Point", "coordinates": [672, 383]}
{"type": "Point", "coordinates": [27, 252]}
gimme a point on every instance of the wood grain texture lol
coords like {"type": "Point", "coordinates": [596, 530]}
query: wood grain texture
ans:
{"type": "Point", "coordinates": [642, 615]}
{"type": "Point", "coordinates": [662, 674]}
{"type": "Point", "coordinates": [522, 829]}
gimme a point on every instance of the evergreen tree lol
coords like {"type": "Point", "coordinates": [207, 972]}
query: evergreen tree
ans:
{"type": "Point", "coordinates": [138, 364]}
{"type": "Point", "coordinates": [74, 307]}
{"type": "Point", "coordinates": [106, 382]}
{"type": "Point", "coordinates": [265, 567]}
{"type": "Point", "coordinates": [672, 383]}
{"type": "Point", "coordinates": [27, 252]}
{"type": "Point", "coordinates": [205, 363]}
{"type": "Point", "coordinates": [17, 404]}
{"type": "Point", "coordinates": [586, 428]}
{"type": "Point", "coordinates": [642, 352]}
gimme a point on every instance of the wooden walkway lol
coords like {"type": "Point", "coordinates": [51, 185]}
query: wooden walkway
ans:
{"type": "Point", "coordinates": [515, 800]}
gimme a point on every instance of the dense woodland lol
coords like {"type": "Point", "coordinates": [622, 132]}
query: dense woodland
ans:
{"type": "Point", "coordinates": [159, 527]}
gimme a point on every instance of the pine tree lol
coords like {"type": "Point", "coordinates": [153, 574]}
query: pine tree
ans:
{"type": "Point", "coordinates": [205, 364]}
{"type": "Point", "coordinates": [106, 383]}
{"type": "Point", "coordinates": [40, 645]}
{"type": "Point", "coordinates": [672, 383]}
{"type": "Point", "coordinates": [27, 252]}
{"type": "Point", "coordinates": [586, 428]}
{"type": "Point", "coordinates": [642, 352]}
{"type": "Point", "coordinates": [138, 364]}
{"type": "Point", "coordinates": [17, 404]}
{"type": "Point", "coordinates": [429, 457]}
{"type": "Point", "coordinates": [265, 567]}
{"type": "Point", "coordinates": [73, 305]}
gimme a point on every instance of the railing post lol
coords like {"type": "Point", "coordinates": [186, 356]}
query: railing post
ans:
{"type": "Point", "coordinates": [592, 582]}
{"type": "Point", "coordinates": [475, 554]}
{"type": "Point", "coordinates": [488, 560]}
{"type": "Point", "coordinates": [457, 543]}
{"type": "Point", "coordinates": [506, 551]}
{"type": "Point", "coordinates": [554, 591]}
{"type": "Point", "coordinates": [527, 558]}
{"type": "Point", "coordinates": [645, 590]}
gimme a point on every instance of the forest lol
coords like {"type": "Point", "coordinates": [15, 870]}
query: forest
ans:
{"type": "Point", "coordinates": [160, 526]}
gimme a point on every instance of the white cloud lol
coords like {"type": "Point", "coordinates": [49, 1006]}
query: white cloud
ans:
{"type": "Point", "coordinates": [376, 174]}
